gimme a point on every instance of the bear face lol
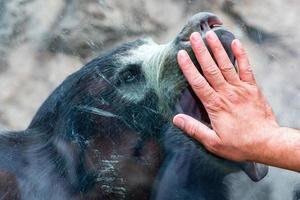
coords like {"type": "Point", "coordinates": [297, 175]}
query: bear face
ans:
{"type": "Point", "coordinates": [142, 76]}
{"type": "Point", "coordinates": [106, 131]}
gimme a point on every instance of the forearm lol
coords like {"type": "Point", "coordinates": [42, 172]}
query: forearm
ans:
{"type": "Point", "coordinates": [282, 150]}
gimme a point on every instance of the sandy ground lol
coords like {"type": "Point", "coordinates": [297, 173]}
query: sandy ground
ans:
{"type": "Point", "coordinates": [41, 42]}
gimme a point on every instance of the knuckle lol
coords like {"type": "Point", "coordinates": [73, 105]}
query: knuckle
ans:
{"type": "Point", "coordinates": [201, 49]}
{"type": "Point", "coordinates": [198, 83]}
{"type": "Point", "coordinates": [211, 70]}
{"type": "Point", "coordinates": [242, 53]}
{"type": "Point", "coordinates": [234, 94]}
{"type": "Point", "coordinates": [227, 67]}
{"type": "Point", "coordinates": [240, 90]}
{"type": "Point", "coordinates": [243, 91]}
{"type": "Point", "coordinates": [248, 69]}
{"type": "Point", "coordinates": [254, 90]}
{"type": "Point", "coordinates": [191, 130]}
{"type": "Point", "coordinates": [232, 97]}
{"type": "Point", "coordinates": [250, 90]}
{"type": "Point", "coordinates": [214, 102]}
{"type": "Point", "coordinates": [217, 100]}
{"type": "Point", "coordinates": [185, 63]}
{"type": "Point", "coordinates": [218, 48]}
{"type": "Point", "coordinates": [213, 145]}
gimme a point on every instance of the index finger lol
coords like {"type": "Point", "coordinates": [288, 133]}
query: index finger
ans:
{"type": "Point", "coordinates": [198, 83]}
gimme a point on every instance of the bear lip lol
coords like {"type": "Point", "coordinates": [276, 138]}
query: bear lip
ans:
{"type": "Point", "coordinates": [214, 23]}
{"type": "Point", "coordinates": [189, 104]}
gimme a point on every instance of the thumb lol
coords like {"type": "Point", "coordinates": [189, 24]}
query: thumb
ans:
{"type": "Point", "coordinates": [196, 129]}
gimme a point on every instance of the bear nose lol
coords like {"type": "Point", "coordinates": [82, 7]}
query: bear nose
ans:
{"type": "Point", "coordinates": [209, 23]}
{"type": "Point", "coordinates": [204, 26]}
{"type": "Point", "coordinates": [201, 22]}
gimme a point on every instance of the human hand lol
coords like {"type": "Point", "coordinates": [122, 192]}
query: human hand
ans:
{"type": "Point", "coordinates": [242, 121]}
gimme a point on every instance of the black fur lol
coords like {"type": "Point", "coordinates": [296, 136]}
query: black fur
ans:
{"type": "Point", "coordinates": [87, 141]}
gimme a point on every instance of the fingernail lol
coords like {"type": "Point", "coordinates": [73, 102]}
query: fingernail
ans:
{"type": "Point", "coordinates": [195, 36]}
{"type": "Point", "coordinates": [237, 43]}
{"type": "Point", "coordinates": [179, 122]}
{"type": "Point", "coordinates": [182, 54]}
{"type": "Point", "coordinates": [210, 35]}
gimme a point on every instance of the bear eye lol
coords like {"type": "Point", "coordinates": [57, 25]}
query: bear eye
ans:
{"type": "Point", "coordinates": [131, 74]}
{"type": "Point", "coordinates": [128, 77]}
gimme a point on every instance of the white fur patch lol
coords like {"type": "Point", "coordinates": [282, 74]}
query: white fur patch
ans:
{"type": "Point", "coordinates": [150, 56]}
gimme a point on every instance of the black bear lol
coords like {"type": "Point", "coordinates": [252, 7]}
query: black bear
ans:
{"type": "Point", "coordinates": [106, 131]}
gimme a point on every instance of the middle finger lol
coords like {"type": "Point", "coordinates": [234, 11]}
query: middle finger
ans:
{"type": "Point", "coordinates": [222, 58]}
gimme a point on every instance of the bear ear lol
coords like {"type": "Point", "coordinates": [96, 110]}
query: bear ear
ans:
{"type": "Point", "coordinates": [255, 171]}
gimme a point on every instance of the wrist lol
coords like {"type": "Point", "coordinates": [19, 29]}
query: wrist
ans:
{"type": "Point", "coordinates": [280, 149]}
{"type": "Point", "coordinates": [267, 144]}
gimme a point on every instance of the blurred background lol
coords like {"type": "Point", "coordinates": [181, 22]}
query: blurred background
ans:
{"type": "Point", "coordinates": [41, 42]}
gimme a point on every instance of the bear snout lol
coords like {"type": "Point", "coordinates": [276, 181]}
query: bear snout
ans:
{"type": "Point", "coordinates": [202, 23]}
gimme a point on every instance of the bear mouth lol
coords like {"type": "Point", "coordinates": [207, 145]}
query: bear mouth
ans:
{"type": "Point", "coordinates": [190, 104]}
